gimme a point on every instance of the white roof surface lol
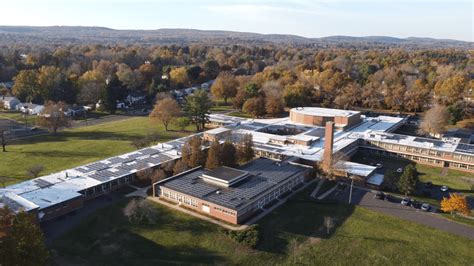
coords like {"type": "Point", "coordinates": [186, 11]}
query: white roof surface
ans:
{"type": "Point", "coordinates": [323, 111]}
{"type": "Point", "coordinates": [375, 179]}
{"type": "Point", "coordinates": [355, 168]}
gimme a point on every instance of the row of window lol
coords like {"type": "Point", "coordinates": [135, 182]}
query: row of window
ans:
{"type": "Point", "coordinates": [107, 186]}
{"type": "Point", "coordinates": [179, 197]}
{"type": "Point", "coordinates": [421, 151]}
{"type": "Point", "coordinates": [228, 212]}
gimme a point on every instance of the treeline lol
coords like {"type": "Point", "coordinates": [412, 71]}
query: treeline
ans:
{"type": "Point", "coordinates": [394, 80]}
{"type": "Point", "coordinates": [260, 79]}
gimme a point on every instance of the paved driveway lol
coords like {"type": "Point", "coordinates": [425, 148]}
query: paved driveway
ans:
{"type": "Point", "coordinates": [366, 199]}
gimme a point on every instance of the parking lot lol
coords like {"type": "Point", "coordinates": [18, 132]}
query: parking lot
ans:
{"type": "Point", "coordinates": [367, 199]}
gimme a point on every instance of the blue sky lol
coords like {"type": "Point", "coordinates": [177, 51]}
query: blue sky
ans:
{"type": "Point", "coordinates": [420, 18]}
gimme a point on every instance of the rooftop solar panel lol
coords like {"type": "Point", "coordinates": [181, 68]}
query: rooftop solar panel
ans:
{"type": "Point", "coordinates": [465, 148]}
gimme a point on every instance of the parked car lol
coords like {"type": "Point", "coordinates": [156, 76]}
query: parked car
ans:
{"type": "Point", "coordinates": [399, 170]}
{"type": "Point", "coordinates": [444, 188]}
{"type": "Point", "coordinates": [379, 165]}
{"type": "Point", "coordinates": [425, 207]}
{"type": "Point", "coordinates": [405, 201]}
{"type": "Point", "coordinates": [380, 195]}
{"type": "Point", "coordinates": [416, 204]}
{"type": "Point", "coordinates": [389, 197]}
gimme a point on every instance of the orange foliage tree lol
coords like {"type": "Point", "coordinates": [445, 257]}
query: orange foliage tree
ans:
{"type": "Point", "coordinates": [455, 203]}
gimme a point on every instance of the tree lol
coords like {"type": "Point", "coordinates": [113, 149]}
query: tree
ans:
{"type": "Point", "coordinates": [297, 95]}
{"type": "Point", "coordinates": [455, 112]}
{"type": "Point", "coordinates": [3, 137]}
{"type": "Point", "coordinates": [165, 111]}
{"type": "Point", "coordinates": [214, 155]}
{"type": "Point", "coordinates": [197, 156]}
{"type": "Point", "coordinates": [245, 151]}
{"type": "Point", "coordinates": [35, 170]}
{"type": "Point", "coordinates": [54, 86]}
{"type": "Point", "coordinates": [113, 92]}
{"type": "Point", "coordinates": [329, 224]}
{"type": "Point", "coordinates": [182, 122]}
{"type": "Point", "coordinates": [255, 107]}
{"type": "Point", "coordinates": [91, 85]}
{"type": "Point", "coordinates": [390, 180]}
{"type": "Point", "coordinates": [179, 77]}
{"type": "Point", "coordinates": [179, 167]}
{"type": "Point", "coordinates": [211, 69]}
{"type": "Point", "coordinates": [450, 90]}
{"type": "Point", "coordinates": [408, 180]}
{"type": "Point", "coordinates": [53, 117]}
{"type": "Point", "coordinates": [455, 203]}
{"type": "Point", "coordinates": [435, 120]}
{"type": "Point", "coordinates": [133, 79]}
{"type": "Point", "coordinates": [225, 86]}
{"type": "Point", "coordinates": [228, 154]}
{"type": "Point", "coordinates": [21, 240]}
{"type": "Point", "coordinates": [197, 108]}
{"type": "Point", "coordinates": [158, 175]}
{"type": "Point", "coordinates": [140, 211]}
{"type": "Point", "coordinates": [25, 87]}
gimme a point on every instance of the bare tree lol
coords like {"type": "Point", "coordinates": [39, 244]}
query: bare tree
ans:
{"type": "Point", "coordinates": [35, 170]}
{"type": "Point", "coordinates": [53, 116]}
{"type": "Point", "coordinates": [328, 224]}
{"type": "Point", "coordinates": [435, 120]}
{"type": "Point", "coordinates": [165, 111]}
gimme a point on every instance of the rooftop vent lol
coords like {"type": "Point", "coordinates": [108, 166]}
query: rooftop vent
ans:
{"type": "Point", "coordinates": [218, 192]}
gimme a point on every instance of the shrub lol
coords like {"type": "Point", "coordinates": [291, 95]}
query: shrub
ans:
{"type": "Point", "coordinates": [248, 237]}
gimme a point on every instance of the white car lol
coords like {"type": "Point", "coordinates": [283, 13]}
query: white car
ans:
{"type": "Point", "coordinates": [379, 165]}
{"type": "Point", "coordinates": [444, 188]}
{"type": "Point", "coordinates": [425, 207]}
{"type": "Point", "coordinates": [400, 170]}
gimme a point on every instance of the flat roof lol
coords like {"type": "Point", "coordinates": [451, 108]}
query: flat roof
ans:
{"type": "Point", "coordinates": [354, 168]}
{"type": "Point", "coordinates": [324, 111]}
{"type": "Point", "coordinates": [225, 174]}
{"type": "Point", "coordinates": [264, 174]}
{"type": "Point", "coordinates": [375, 179]}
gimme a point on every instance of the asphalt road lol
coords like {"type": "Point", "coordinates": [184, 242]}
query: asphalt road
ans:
{"type": "Point", "coordinates": [366, 199]}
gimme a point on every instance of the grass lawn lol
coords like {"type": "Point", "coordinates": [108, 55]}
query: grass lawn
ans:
{"type": "Point", "coordinates": [18, 116]}
{"type": "Point", "coordinates": [292, 234]}
{"type": "Point", "coordinates": [222, 108]}
{"type": "Point", "coordinates": [74, 147]}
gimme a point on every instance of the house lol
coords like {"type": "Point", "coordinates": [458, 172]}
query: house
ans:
{"type": "Point", "coordinates": [75, 111]}
{"type": "Point", "coordinates": [30, 108]}
{"type": "Point", "coordinates": [7, 85]}
{"type": "Point", "coordinates": [135, 97]}
{"type": "Point", "coordinates": [10, 103]}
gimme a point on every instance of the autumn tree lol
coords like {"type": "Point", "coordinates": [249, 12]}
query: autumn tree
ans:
{"type": "Point", "coordinates": [455, 203]}
{"type": "Point", "coordinates": [450, 90]}
{"type": "Point", "coordinates": [179, 77]}
{"type": "Point", "coordinates": [158, 175]}
{"type": "Point", "coordinates": [408, 180]}
{"type": "Point", "coordinates": [245, 150]}
{"type": "Point", "coordinates": [214, 155]}
{"type": "Point", "coordinates": [435, 120]}
{"type": "Point", "coordinates": [21, 240]}
{"type": "Point", "coordinates": [197, 155]}
{"type": "Point", "coordinates": [132, 79]}
{"type": "Point", "coordinates": [225, 86]}
{"type": "Point", "coordinates": [54, 85]}
{"type": "Point", "coordinates": [228, 154]}
{"type": "Point", "coordinates": [25, 87]}
{"type": "Point", "coordinates": [165, 111]}
{"type": "Point", "coordinates": [53, 117]}
{"type": "Point", "coordinates": [91, 85]}
{"type": "Point", "coordinates": [255, 106]}
{"type": "Point", "coordinates": [417, 97]}
{"type": "Point", "coordinates": [179, 167]}
{"type": "Point", "coordinates": [296, 95]}
{"type": "Point", "coordinates": [197, 108]}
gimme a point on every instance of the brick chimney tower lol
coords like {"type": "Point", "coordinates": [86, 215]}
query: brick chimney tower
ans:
{"type": "Point", "coordinates": [328, 146]}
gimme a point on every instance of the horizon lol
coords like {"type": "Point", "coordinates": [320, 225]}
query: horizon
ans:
{"type": "Point", "coordinates": [399, 19]}
{"type": "Point", "coordinates": [249, 32]}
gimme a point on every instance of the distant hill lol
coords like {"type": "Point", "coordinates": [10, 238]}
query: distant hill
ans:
{"type": "Point", "coordinates": [61, 35]}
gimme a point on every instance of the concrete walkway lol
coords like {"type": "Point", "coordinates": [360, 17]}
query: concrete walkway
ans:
{"type": "Point", "coordinates": [139, 192]}
{"type": "Point", "coordinates": [225, 225]}
{"type": "Point", "coordinates": [318, 187]}
{"type": "Point", "coordinates": [327, 193]}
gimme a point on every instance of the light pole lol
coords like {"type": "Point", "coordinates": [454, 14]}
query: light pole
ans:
{"type": "Point", "coordinates": [350, 192]}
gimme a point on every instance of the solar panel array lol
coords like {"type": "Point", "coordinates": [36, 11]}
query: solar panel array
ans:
{"type": "Point", "coordinates": [42, 183]}
{"type": "Point", "coordinates": [264, 174]}
{"type": "Point", "coordinates": [465, 148]}
{"type": "Point", "coordinates": [434, 142]}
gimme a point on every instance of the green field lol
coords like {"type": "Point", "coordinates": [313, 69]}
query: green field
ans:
{"type": "Point", "coordinates": [74, 147]}
{"type": "Point", "coordinates": [17, 116]}
{"type": "Point", "coordinates": [293, 234]}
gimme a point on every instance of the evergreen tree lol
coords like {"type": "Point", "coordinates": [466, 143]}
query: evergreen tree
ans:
{"type": "Point", "coordinates": [214, 156]}
{"type": "Point", "coordinates": [228, 154]}
{"type": "Point", "coordinates": [408, 180]}
{"type": "Point", "coordinates": [197, 108]}
{"type": "Point", "coordinates": [113, 92]}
